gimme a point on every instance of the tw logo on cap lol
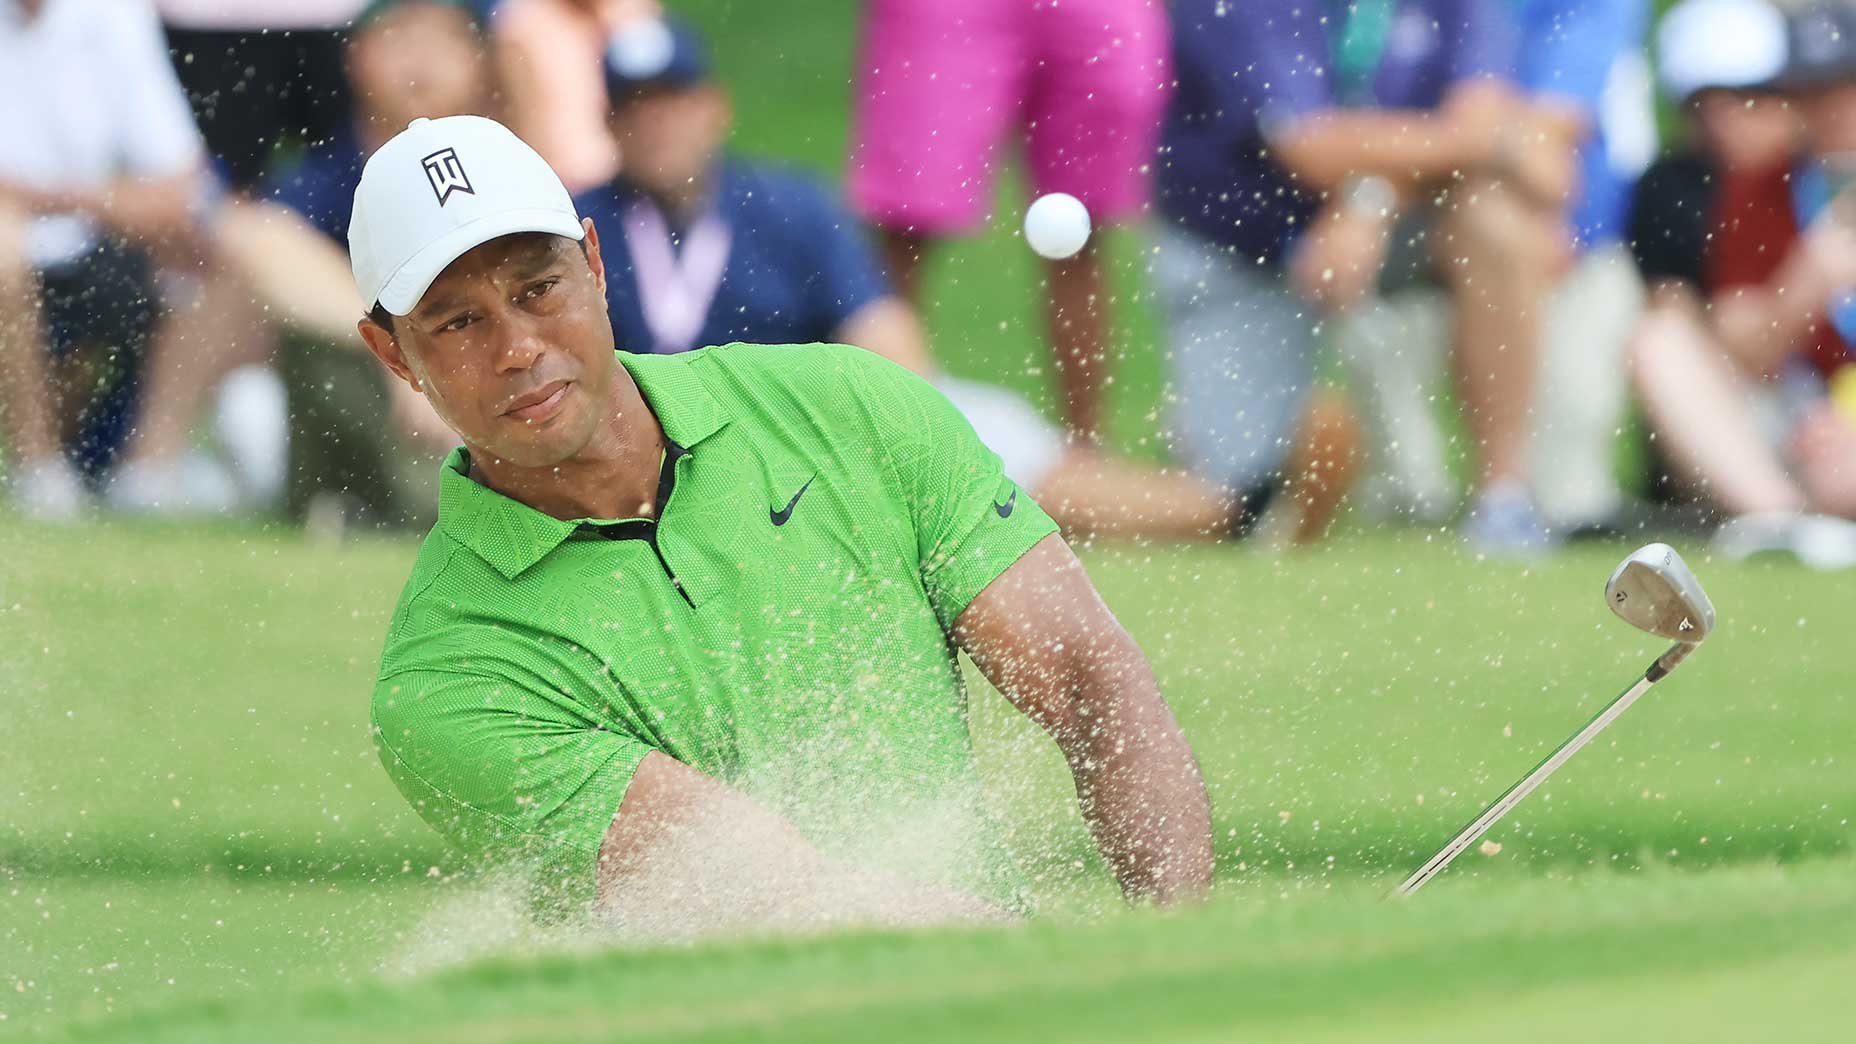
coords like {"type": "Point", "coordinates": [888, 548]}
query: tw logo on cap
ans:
{"type": "Point", "coordinates": [446, 173]}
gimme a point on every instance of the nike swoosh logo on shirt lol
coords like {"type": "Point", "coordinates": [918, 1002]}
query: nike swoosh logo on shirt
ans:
{"type": "Point", "coordinates": [779, 517]}
{"type": "Point", "coordinates": [1005, 509]}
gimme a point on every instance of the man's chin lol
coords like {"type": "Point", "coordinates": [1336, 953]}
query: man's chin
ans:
{"type": "Point", "coordinates": [541, 449]}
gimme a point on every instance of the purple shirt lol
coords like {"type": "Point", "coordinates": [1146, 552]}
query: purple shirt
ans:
{"type": "Point", "coordinates": [1245, 65]}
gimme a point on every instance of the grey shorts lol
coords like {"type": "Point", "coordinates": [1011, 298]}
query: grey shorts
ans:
{"type": "Point", "coordinates": [1240, 359]}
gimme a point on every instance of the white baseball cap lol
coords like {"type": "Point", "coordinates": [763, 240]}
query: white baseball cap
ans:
{"type": "Point", "coordinates": [1719, 43]}
{"type": "Point", "coordinates": [436, 190]}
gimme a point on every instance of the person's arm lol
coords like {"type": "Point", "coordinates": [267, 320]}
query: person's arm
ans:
{"type": "Point", "coordinates": [688, 848]}
{"type": "Point", "coordinates": [602, 819]}
{"type": "Point", "coordinates": [525, 94]}
{"type": "Point", "coordinates": [889, 327]}
{"type": "Point", "coordinates": [1043, 636]}
{"type": "Point", "coordinates": [1762, 324]}
{"type": "Point", "coordinates": [1407, 147]}
{"type": "Point", "coordinates": [139, 208]}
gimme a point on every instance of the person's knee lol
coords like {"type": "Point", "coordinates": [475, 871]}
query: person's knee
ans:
{"type": "Point", "coordinates": [17, 275]}
{"type": "Point", "coordinates": [1664, 336]}
{"type": "Point", "coordinates": [1486, 223]}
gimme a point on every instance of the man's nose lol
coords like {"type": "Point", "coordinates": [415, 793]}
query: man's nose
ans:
{"type": "Point", "coordinates": [519, 343]}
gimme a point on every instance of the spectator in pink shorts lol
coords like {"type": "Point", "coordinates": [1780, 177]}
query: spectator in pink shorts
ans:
{"type": "Point", "coordinates": [941, 82]}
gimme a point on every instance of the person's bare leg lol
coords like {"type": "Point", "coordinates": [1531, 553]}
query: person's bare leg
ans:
{"type": "Point", "coordinates": [1699, 412]}
{"type": "Point", "coordinates": [903, 251]}
{"type": "Point", "coordinates": [291, 268]}
{"type": "Point", "coordinates": [1077, 324]}
{"type": "Point", "coordinates": [1497, 255]}
{"type": "Point", "coordinates": [1090, 493]}
{"type": "Point", "coordinates": [1323, 464]}
{"type": "Point", "coordinates": [200, 340]}
{"type": "Point", "coordinates": [25, 387]}
{"type": "Point", "coordinates": [1823, 448]}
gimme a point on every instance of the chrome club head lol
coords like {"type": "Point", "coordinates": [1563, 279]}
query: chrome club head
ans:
{"type": "Point", "coordinates": [1654, 591]}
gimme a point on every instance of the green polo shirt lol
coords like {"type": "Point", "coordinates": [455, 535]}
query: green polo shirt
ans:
{"type": "Point", "coordinates": [824, 517]}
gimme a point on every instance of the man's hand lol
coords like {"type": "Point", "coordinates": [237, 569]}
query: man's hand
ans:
{"type": "Point", "coordinates": [1337, 261]}
{"type": "Point", "coordinates": [1041, 634]}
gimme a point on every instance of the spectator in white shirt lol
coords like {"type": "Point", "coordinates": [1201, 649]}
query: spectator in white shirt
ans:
{"type": "Point", "coordinates": [101, 168]}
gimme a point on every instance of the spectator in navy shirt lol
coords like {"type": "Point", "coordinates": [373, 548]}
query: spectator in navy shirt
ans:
{"type": "Point", "coordinates": [705, 249]}
{"type": "Point", "coordinates": [1315, 152]}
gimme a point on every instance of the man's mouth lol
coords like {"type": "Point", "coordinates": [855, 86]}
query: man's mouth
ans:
{"type": "Point", "coordinates": [539, 404]}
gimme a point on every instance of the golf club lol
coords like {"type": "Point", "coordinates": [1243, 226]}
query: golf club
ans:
{"type": "Point", "coordinates": [1654, 591]}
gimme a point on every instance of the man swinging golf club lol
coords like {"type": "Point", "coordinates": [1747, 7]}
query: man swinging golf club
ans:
{"type": "Point", "coordinates": [685, 632]}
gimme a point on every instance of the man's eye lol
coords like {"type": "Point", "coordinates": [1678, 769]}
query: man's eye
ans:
{"type": "Point", "coordinates": [541, 289]}
{"type": "Point", "coordinates": [458, 323]}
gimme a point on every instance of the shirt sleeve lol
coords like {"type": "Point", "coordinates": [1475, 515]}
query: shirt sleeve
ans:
{"type": "Point", "coordinates": [157, 134]}
{"type": "Point", "coordinates": [507, 773]}
{"type": "Point", "coordinates": [971, 522]}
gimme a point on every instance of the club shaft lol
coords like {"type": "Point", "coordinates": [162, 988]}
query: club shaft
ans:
{"type": "Point", "coordinates": [1501, 805]}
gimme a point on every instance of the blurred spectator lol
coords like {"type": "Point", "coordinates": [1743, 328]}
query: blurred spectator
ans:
{"type": "Point", "coordinates": [100, 166]}
{"type": "Point", "coordinates": [1317, 159]}
{"type": "Point", "coordinates": [548, 58]}
{"type": "Point", "coordinates": [1749, 245]}
{"type": "Point", "coordinates": [257, 71]}
{"type": "Point", "coordinates": [703, 249]}
{"type": "Point", "coordinates": [941, 82]}
{"type": "Point", "coordinates": [1592, 127]}
{"type": "Point", "coordinates": [355, 432]}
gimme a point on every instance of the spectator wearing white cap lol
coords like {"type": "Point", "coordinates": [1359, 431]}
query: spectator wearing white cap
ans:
{"type": "Point", "coordinates": [1746, 269]}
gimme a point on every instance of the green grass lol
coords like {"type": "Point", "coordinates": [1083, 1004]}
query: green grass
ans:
{"type": "Point", "coordinates": [191, 796]}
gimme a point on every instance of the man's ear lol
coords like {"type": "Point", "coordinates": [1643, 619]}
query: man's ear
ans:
{"type": "Point", "coordinates": [386, 348]}
{"type": "Point", "coordinates": [593, 260]}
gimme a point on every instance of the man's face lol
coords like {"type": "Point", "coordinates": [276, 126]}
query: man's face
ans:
{"type": "Point", "coordinates": [512, 346]}
{"type": "Point", "coordinates": [1748, 130]}
{"type": "Point", "coordinates": [418, 60]}
{"type": "Point", "coordinates": [670, 136]}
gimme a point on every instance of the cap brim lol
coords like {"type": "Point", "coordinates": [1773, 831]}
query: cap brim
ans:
{"type": "Point", "coordinates": [405, 287]}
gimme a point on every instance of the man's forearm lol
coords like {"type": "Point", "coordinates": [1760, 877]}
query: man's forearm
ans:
{"type": "Point", "coordinates": [1139, 787]}
{"type": "Point", "coordinates": [1405, 147]}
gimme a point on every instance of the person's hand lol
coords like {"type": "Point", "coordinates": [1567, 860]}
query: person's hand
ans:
{"type": "Point", "coordinates": [1539, 151]}
{"type": "Point", "coordinates": [1476, 114]}
{"type": "Point", "coordinates": [1829, 255]}
{"type": "Point", "coordinates": [1823, 447]}
{"type": "Point", "coordinates": [1337, 262]}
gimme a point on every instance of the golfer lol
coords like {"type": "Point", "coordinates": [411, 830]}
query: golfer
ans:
{"type": "Point", "coordinates": [687, 626]}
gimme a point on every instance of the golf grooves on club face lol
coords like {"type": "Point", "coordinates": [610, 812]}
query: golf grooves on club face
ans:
{"type": "Point", "coordinates": [1652, 590]}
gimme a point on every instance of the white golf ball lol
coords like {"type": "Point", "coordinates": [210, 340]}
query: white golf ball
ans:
{"type": "Point", "coordinates": [1057, 225]}
{"type": "Point", "coordinates": [642, 49]}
